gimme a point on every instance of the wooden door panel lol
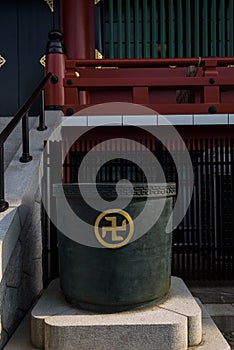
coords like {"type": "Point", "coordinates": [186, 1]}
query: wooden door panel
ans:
{"type": "Point", "coordinates": [9, 79]}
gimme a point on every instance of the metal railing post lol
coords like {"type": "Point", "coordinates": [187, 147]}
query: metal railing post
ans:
{"type": "Point", "coordinates": [6, 132]}
{"type": "Point", "coordinates": [42, 126]}
{"type": "Point", "coordinates": [25, 140]}
{"type": "Point", "coordinates": [3, 204]}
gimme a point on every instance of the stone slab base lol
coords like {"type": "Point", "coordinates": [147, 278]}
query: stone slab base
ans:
{"type": "Point", "coordinates": [174, 324]}
{"type": "Point", "coordinates": [212, 339]}
{"type": "Point", "coordinates": [52, 300]}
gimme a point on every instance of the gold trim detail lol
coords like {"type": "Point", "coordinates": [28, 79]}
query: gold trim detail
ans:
{"type": "Point", "coordinates": [43, 60]}
{"type": "Point", "coordinates": [114, 235]}
{"type": "Point", "coordinates": [98, 55]}
{"type": "Point", "coordinates": [50, 3]}
{"type": "Point", "coordinates": [2, 61]}
{"type": "Point", "coordinates": [96, 2]}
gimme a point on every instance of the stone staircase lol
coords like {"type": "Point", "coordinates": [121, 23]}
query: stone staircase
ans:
{"type": "Point", "coordinates": [20, 229]}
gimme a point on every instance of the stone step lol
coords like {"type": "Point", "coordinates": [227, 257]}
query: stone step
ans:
{"type": "Point", "coordinates": [223, 316]}
{"type": "Point", "coordinates": [174, 324]}
{"type": "Point", "coordinates": [212, 338]}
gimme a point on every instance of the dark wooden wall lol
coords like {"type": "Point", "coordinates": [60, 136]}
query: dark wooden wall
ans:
{"type": "Point", "coordinates": [24, 32]}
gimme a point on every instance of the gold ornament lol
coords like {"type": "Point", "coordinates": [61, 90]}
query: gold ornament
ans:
{"type": "Point", "coordinates": [43, 60]}
{"type": "Point", "coordinates": [50, 3]}
{"type": "Point", "coordinates": [2, 61]}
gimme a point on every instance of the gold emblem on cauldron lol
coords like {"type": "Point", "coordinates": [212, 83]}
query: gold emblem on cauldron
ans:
{"type": "Point", "coordinates": [114, 228]}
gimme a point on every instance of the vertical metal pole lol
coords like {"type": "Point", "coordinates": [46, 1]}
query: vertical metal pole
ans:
{"type": "Point", "coordinates": [162, 29]}
{"type": "Point", "coordinates": [111, 22]}
{"type": "Point", "coordinates": [188, 28]}
{"type": "Point", "coordinates": [171, 29]}
{"type": "Point", "coordinates": [213, 29]}
{"type": "Point", "coordinates": [212, 200]}
{"type": "Point", "coordinates": [232, 192]}
{"type": "Point", "coordinates": [145, 29]}
{"type": "Point", "coordinates": [217, 198]}
{"type": "Point", "coordinates": [98, 27]}
{"type": "Point", "coordinates": [222, 29]}
{"type": "Point", "coordinates": [227, 245]}
{"type": "Point", "coordinates": [197, 212]}
{"type": "Point", "coordinates": [154, 29]}
{"type": "Point", "coordinates": [25, 140]}
{"type": "Point", "coordinates": [196, 29]}
{"type": "Point", "coordinates": [3, 204]}
{"type": "Point", "coordinates": [136, 29]}
{"type": "Point", "coordinates": [208, 208]}
{"type": "Point", "coordinates": [205, 29]}
{"type": "Point", "coordinates": [120, 29]}
{"type": "Point", "coordinates": [128, 29]}
{"type": "Point", "coordinates": [42, 125]}
{"type": "Point", "coordinates": [180, 28]}
{"type": "Point", "coordinates": [203, 232]}
{"type": "Point", "coordinates": [231, 28]}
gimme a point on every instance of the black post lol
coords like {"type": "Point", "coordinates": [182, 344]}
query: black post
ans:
{"type": "Point", "coordinates": [3, 204]}
{"type": "Point", "coordinates": [25, 140]}
{"type": "Point", "coordinates": [42, 126]}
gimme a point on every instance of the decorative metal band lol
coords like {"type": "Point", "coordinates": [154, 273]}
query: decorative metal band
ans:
{"type": "Point", "coordinates": [109, 190]}
{"type": "Point", "coordinates": [43, 60]}
{"type": "Point", "coordinates": [50, 3]}
{"type": "Point", "coordinates": [2, 61]}
{"type": "Point", "coordinates": [96, 2]}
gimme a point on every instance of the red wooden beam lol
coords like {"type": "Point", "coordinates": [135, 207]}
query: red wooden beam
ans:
{"type": "Point", "coordinates": [150, 62]}
{"type": "Point", "coordinates": [171, 108]}
{"type": "Point", "coordinates": [149, 81]}
{"type": "Point", "coordinates": [157, 82]}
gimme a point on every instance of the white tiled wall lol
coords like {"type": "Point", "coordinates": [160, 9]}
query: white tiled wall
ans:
{"type": "Point", "coordinates": [210, 119]}
{"type": "Point", "coordinates": [183, 119]}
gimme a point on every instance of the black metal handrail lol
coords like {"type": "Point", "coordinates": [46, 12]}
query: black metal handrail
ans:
{"type": "Point", "coordinates": [22, 113]}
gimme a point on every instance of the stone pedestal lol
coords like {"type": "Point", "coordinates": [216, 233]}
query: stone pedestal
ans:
{"type": "Point", "coordinates": [174, 324]}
